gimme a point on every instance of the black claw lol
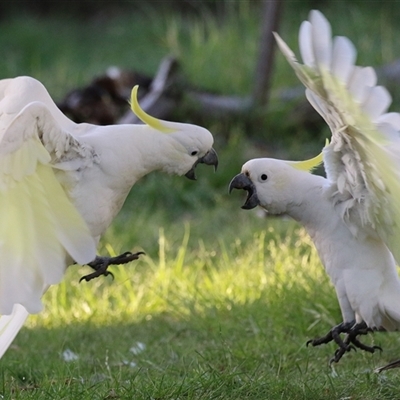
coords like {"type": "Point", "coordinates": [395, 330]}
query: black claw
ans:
{"type": "Point", "coordinates": [333, 335]}
{"type": "Point", "coordinates": [351, 342]}
{"type": "Point", "coordinates": [96, 274]}
{"type": "Point", "coordinates": [100, 264]}
{"type": "Point", "coordinates": [109, 273]}
{"type": "Point", "coordinates": [339, 353]}
{"type": "Point", "coordinates": [362, 346]}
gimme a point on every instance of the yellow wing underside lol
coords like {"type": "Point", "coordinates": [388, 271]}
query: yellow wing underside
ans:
{"type": "Point", "coordinates": [375, 150]}
{"type": "Point", "coordinates": [39, 228]}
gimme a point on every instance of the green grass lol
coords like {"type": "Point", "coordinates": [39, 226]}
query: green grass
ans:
{"type": "Point", "coordinates": [224, 301]}
{"type": "Point", "coordinates": [224, 319]}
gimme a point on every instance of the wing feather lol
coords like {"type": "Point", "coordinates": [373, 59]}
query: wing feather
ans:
{"type": "Point", "coordinates": [343, 58]}
{"type": "Point", "coordinates": [362, 79]}
{"type": "Point", "coordinates": [305, 44]}
{"type": "Point", "coordinates": [377, 102]}
{"type": "Point", "coordinates": [363, 159]}
{"type": "Point", "coordinates": [10, 326]}
{"type": "Point", "coordinates": [41, 231]}
{"type": "Point", "coordinates": [321, 39]}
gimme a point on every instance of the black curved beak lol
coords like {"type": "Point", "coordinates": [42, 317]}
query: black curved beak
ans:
{"type": "Point", "coordinates": [241, 181]}
{"type": "Point", "coordinates": [210, 158]}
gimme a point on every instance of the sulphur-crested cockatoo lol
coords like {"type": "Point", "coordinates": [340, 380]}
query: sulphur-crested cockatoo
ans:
{"type": "Point", "coordinates": [352, 215]}
{"type": "Point", "coordinates": [62, 184]}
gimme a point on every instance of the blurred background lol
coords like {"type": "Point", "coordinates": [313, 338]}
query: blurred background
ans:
{"type": "Point", "coordinates": [207, 299]}
{"type": "Point", "coordinates": [225, 76]}
{"type": "Point", "coordinates": [223, 71]}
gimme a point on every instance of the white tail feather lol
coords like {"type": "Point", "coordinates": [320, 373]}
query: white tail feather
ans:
{"type": "Point", "coordinates": [10, 326]}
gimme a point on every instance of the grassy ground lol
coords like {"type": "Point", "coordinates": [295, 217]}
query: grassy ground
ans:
{"type": "Point", "coordinates": [199, 319]}
{"type": "Point", "coordinates": [224, 301]}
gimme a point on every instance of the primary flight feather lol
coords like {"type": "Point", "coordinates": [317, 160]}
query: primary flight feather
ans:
{"type": "Point", "coordinates": [352, 215]}
{"type": "Point", "coordinates": [62, 184]}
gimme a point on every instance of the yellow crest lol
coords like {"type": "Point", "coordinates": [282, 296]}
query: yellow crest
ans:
{"type": "Point", "coordinates": [308, 165]}
{"type": "Point", "coordinates": [143, 116]}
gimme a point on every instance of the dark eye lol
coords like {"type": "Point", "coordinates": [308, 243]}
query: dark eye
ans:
{"type": "Point", "coordinates": [264, 177]}
{"type": "Point", "coordinates": [193, 153]}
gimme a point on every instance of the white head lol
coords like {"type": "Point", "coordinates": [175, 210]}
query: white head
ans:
{"type": "Point", "coordinates": [271, 183]}
{"type": "Point", "coordinates": [189, 144]}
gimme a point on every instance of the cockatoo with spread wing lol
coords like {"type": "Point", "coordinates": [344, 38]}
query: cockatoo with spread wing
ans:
{"type": "Point", "coordinates": [62, 184]}
{"type": "Point", "coordinates": [352, 215]}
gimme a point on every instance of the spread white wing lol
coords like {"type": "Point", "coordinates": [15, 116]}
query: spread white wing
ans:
{"type": "Point", "coordinates": [362, 161]}
{"type": "Point", "coordinates": [40, 229]}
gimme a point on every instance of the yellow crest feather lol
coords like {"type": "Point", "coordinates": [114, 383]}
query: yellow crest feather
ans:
{"type": "Point", "coordinates": [143, 116]}
{"type": "Point", "coordinates": [308, 165]}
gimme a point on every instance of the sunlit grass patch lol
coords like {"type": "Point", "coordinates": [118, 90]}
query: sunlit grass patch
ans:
{"type": "Point", "coordinates": [188, 301]}
{"type": "Point", "coordinates": [226, 320]}
{"type": "Point", "coordinates": [184, 279]}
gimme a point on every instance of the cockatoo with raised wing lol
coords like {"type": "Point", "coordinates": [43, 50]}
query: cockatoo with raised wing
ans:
{"type": "Point", "coordinates": [352, 215]}
{"type": "Point", "coordinates": [62, 184]}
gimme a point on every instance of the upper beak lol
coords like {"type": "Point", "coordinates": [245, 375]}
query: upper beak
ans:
{"type": "Point", "coordinates": [210, 158]}
{"type": "Point", "coordinates": [241, 181]}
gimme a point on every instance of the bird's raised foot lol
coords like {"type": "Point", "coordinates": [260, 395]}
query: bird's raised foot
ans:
{"type": "Point", "coordinates": [100, 264]}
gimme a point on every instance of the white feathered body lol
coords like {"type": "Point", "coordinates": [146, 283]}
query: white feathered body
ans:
{"type": "Point", "coordinates": [108, 160]}
{"type": "Point", "coordinates": [361, 268]}
{"type": "Point", "coordinates": [62, 184]}
{"type": "Point", "coordinates": [358, 262]}
{"type": "Point", "coordinates": [108, 182]}
{"type": "Point", "coordinates": [352, 215]}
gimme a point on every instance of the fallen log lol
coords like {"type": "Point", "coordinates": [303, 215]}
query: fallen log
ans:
{"type": "Point", "coordinates": [104, 100]}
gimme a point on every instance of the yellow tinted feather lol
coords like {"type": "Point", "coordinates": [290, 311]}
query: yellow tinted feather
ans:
{"type": "Point", "coordinates": [308, 165]}
{"type": "Point", "coordinates": [40, 227]}
{"type": "Point", "coordinates": [143, 116]}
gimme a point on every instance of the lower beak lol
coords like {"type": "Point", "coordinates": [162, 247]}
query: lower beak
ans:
{"type": "Point", "coordinates": [210, 158]}
{"type": "Point", "coordinates": [242, 181]}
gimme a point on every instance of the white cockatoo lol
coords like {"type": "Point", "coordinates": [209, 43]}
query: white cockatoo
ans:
{"type": "Point", "coordinates": [352, 215]}
{"type": "Point", "coordinates": [62, 184]}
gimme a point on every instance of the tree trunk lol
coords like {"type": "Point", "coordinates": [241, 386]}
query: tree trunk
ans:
{"type": "Point", "coordinates": [272, 10]}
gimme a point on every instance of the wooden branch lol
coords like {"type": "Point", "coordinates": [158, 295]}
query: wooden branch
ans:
{"type": "Point", "coordinates": [216, 105]}
{"type": "Point", "coordinates": [105, 99]}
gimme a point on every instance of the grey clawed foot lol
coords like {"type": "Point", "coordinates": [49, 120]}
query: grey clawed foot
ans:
{"type": "Point", "coordinates": [351, 342]}
{"type": "Point", "coordinates": [334, 335]}
{"type": "Point", "coordinates": [101, 264]}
